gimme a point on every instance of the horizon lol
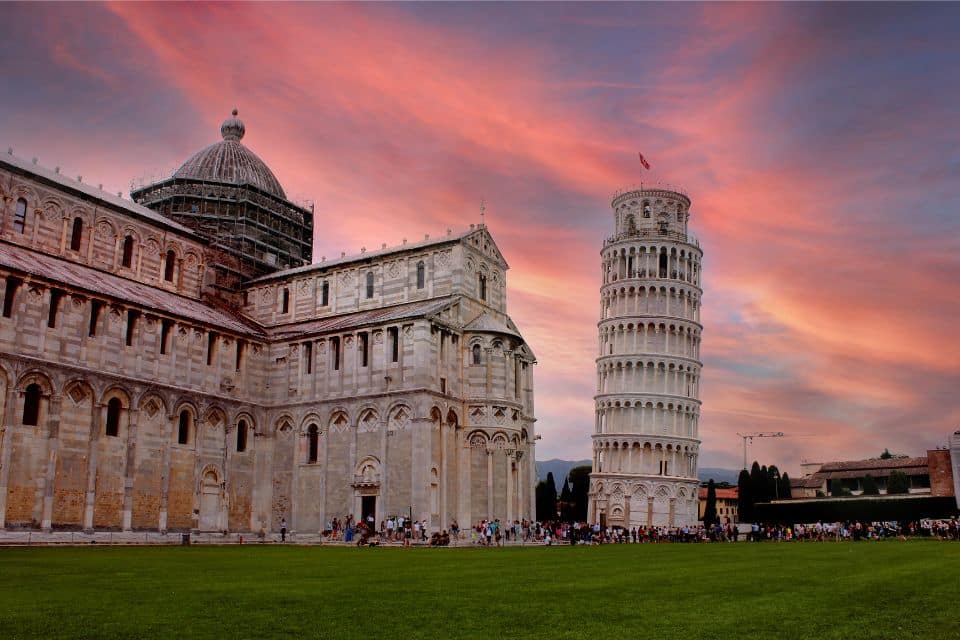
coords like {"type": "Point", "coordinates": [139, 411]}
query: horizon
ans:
{"type": "Point", "coordinates": [817, 144]}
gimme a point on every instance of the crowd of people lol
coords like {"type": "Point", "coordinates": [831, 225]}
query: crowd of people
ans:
{"type": "Point", "coordinates": [494, 533]}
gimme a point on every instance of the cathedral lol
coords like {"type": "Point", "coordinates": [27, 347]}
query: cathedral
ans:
{"type": "Point", "coordinates": [178, 362]}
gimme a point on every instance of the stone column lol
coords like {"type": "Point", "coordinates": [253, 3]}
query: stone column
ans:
{"type": "Point", "coordinates": [444, 481]}
{"type": "Point", "coordinates": [489, 482]}
{"type": "Point", "coordinates": [53, 434]}
{"type": "Point", "coordinates": [462, 448]}
{"type": "Point", "coordinates": [165, 477]}
{"type": "Point", "coordinates": [509, 482]}
{"type": "Point", "coordinates": [63, 234]}
{"type": "Point", "coordinates": [6, 448]}
{"type": "Point", "coordinates": [130, 469]}
{"type": "Point", "coordinates": [92, 451]}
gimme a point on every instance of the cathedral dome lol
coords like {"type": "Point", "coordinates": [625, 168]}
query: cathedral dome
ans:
{"type": "Point", "coordinates": [229, 162]}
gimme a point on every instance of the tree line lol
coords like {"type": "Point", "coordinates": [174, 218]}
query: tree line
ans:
{"type": "Point", "coordinates": [760, 484]}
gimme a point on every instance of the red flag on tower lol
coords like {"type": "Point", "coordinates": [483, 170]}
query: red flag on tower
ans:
{"type": "Point", "coordinates": [643, 161]}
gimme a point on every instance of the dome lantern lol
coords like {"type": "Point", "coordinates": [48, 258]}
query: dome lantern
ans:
{"type": "Point", "coordinates": [232, 128]}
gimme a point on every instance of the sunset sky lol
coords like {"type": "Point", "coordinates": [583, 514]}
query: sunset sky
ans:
{"type": "Point", "coordinates": [820, 145]}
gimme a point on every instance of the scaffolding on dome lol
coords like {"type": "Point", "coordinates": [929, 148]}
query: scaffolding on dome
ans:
{"type": "Point", "coordinates": [252, 232]}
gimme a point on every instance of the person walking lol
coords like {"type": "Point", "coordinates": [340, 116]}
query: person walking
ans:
{"type": "Point", "coordinates": [283, 529]}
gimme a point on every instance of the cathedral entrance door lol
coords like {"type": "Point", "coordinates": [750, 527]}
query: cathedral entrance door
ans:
{"type": "Point", "coordinates": [209, 502]}
{"type": "Point", "coordinates": [368, 507]}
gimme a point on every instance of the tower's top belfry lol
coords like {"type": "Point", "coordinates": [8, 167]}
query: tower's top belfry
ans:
{"type": "Point", "coordinates": [650, 213]}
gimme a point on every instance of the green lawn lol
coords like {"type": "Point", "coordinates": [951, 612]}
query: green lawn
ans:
{"type": "Point", "coordinates": [853, 590]}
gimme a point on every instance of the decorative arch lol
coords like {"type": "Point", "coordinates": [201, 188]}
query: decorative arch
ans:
{"type": "Point", "coordinates": [399, 417]}
{"type": "Point", "coordinates": [35, 376]}
{"type": "Point", "coordinates": [339, 420]}
{"type": "Point", "coordinates": [367, 470]}
{"type": "Point", "coordinates": [477, 439]}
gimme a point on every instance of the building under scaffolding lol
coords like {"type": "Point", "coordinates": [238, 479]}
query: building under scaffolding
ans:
{"type": "Point", "coordinates": [229, 196]}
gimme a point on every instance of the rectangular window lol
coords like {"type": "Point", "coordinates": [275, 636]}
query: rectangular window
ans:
{"type": "Point", "coordinates": [325, 294]}
{"type": "Point", "coordinates": [56, 295]}
{"type": "Point", "coordinates": [10, 295]}
{"type": "Point", "coordinates": [211, 347]}
{"type": "Point", "coordinates": [165, 327]}
{"type": "Point", "coordinates": [308, 357]}
{"type": "Point", "coordinates": [96, 307]}
{"type": "Point", "coordinates": [132, 317]}
{"type": "Point", "coordinates": [20, 217]}
{"type": "Point", "coordinates": [240, 348]}
{"type": "Point", "coordinates": [443, 385]}
{"type": "Point", "coordinates": [285, 305]}
{"type": "Point", "coordinates": [393, 333]}
{"type": "Point", "coordinates": [364, 348]}
{"type": "Point", "coordinates": [335, 353]}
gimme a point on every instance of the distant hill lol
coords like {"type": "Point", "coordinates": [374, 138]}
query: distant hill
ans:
{"type": "Point", "coordinates": [718, 475]}
{"type": "Point", "coordinates": [560, 469]}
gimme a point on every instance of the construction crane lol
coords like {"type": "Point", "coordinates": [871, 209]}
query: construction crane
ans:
{"type": "Point", "coordinates": [748, 437]}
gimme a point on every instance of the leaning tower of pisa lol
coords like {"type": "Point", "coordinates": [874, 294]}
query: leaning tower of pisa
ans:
{"type": "Point", "coordinates": [645, 442]}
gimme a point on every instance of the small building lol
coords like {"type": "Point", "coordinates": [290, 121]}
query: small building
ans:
{"type": "Point", "coordinates": [727, 500]}
{"type": "Point", "coordinates": [931, 475]}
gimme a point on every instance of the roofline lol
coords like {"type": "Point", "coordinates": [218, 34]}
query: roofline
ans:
{"type": "Point", "coordinates": [454, 238]}
{"type": "Point", "coordinates": [128, 207]}
{"type": "Point", "coordinates": [362, 257]}
{"type": "Point", "coordinates": [52, 282]}
{"type": "Point", "coordinates": [279, 332]}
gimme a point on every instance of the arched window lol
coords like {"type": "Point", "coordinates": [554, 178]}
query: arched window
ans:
{"type": "Point", "coordinates": [241, 436]}
{"type": "Point", "coordinates": [421, 273]}
{"type": "Point", "coordinates": [113, 417]}
{"type": "Point", "coordinates": [20, 216]}
{"type": "Point", "coordinates": [313, 443]}
{"type": "Point", "coordinates": [77, 234]}
{"type": "Point", "coordinates": [476, 354]}
{"type": "Point", "coordinates": [482, 280]}
{"type": "Point", "coordinates": [171, 263]}
{"type": "Point", "coordinates": [369, 284]}
{"type": "Point", "coordinates": [646, 209]}
{"type": "Point", "coordinates": [663, 265]}
{"type": "Point", "coordinates": [183, 428]}
{"type": "Point", "coordinates": [31, 405]}
{"type": "Point", "coordinates": [127, 260]}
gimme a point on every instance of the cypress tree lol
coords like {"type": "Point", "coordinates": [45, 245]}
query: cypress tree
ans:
{"type": "Point", "coordinates": [786, 493]}
{"type": "Point", "coordinates": [773, 483]}
{"type": "Point", "coordinates": [710, 510]}
{"type": "Point", "coordinates": [566, 501]}
{"type": "Point", "coordinates": [580, 492]}
{"type": "Point", "coordinates": [758, 483]}
{"type": "Point", "coordinates": [546, 494]}
{"type": "Point", "coordinates": [744, 501]}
